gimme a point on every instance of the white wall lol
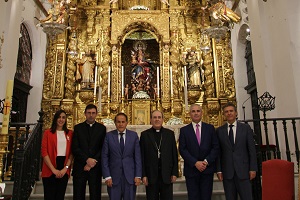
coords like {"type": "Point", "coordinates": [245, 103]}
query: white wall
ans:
{"type": "Point", "coordinates": [10, 20]}
{"type": "Point", "coordinates": [275, 30]}
{"type": "Point", "coordinates": [12, 14]}
{"type": "Point", "coordinates": [276, 52]}
{"type": "Point", "coordinates": [38, 42]}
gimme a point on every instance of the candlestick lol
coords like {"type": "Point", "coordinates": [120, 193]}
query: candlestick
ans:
{"type": "Point", "coordinates": [99, 99]}
{"type": "Point", "coordinates": [108, 82]}
{"type": "Point", "coordinates": [122, 87]}
{"type": "Point", "coordinates": [95, 84]}
{"type": "Point", "coordinates": [185, 90]}
{"type": "Point", "coordinates": [157, 72]}
{"type": "Point", "coordinates": [7, 106]}
{"type": "Point", "coordinates": [171, 81]}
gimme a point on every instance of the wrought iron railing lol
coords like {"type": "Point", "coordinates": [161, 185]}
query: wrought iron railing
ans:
{"type": "Point", "coordinates": [27, 161]}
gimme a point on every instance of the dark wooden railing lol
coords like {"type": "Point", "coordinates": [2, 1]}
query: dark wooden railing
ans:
{"type": "Point", "coordinates": [276, 128]}
{"type": "Point", "coordinates": [27, 161]}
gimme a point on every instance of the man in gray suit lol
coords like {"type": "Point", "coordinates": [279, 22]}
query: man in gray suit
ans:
{"type": "Point", "coordinates": [236, 165]}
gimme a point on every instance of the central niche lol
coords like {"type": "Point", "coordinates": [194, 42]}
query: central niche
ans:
{"type": "Point", "coordinates": [140, 58]}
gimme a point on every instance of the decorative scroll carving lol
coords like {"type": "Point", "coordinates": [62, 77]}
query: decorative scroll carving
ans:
{"type": "Point", "coordinates": [208, 70]}
{"type": "Point", "coordinates": [49, 71]}
{"type": "Point", "coordinates": [213, 110]}
{"type": "Point", "coordinates": [175, 55]}
{"type": "Point", "coordinates": [71, 68]}
{"type": "Point", "coordinates": [228, 69]}
{"type": "Point", "coordinates": [90, 22]}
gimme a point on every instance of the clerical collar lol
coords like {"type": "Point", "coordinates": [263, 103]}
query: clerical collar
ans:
{"type": "Point", "coordinates": [91, 125]}
{"type": "Point", "coordinates": [156, 130]}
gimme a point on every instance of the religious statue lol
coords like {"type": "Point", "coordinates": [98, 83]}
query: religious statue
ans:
{"type": "Point", "coordinates": [142, 69]}
{"type": "Point", "coordinates": [194, 71]}
{"type": "Point", "coordinates": [85, 70]}
{"type": "Point", "coordinates": [126, 91]}
{"type": "Point", "coordinates": [133, 89]}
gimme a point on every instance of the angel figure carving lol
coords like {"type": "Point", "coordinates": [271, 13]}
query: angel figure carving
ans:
{"type": "Point", "coordinates": [222, 12]}
{"type": "Point", "coordinates": [56, 13]}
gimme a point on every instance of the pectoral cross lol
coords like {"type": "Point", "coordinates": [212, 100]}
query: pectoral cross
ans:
{"type": "Point", "coordinates": [158, 153]}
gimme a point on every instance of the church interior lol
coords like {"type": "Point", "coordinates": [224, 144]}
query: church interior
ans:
{"type": "Point", "coordinates": [137, 56]}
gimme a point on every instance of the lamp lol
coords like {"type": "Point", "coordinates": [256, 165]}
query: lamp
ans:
{"type": "Point", "coordinates": [266, 103]}
{"type": "Point", "coordinates": [218, 32]}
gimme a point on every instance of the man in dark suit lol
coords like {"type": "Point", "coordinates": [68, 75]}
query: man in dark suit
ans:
{"type": "Point", "coordinates": [87, 144]}
{"type": "Point", "coordinates": [159, 159]}
{"type": "Point", "coordinates": [237, 164]}
{"type": "Point", "coordinates": [121, 161]}
{"type": "Point", "coordinates": [199, 147]}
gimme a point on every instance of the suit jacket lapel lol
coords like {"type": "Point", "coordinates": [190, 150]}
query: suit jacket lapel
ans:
{"type": "Point", "coordinates": [193, 134]}
{"type": "Point", "coordinates": [238, 133]}
{"type": "Point", "coordinates": [116, 140]}
{"type": "Point", "coordinates": [127, 141]}
{"type": "Point", "coordinates": [226, 136]}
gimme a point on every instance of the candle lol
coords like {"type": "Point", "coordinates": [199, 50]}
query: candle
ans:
{"type": "Point", "coordinates": [122, 86]}
{"type": "Point", "coordinates": [95, 85]}
{"type": "Point", "coordinates": [185, 90]}
{"type": "Point", "coordinates": [99, 99]}
{"type": "Point", "coordinates": [157, 71]}
{"type": "Point", "coordinates": [171, 81]}
{"type": "Point", "coordinates": [108, 82]}
{"type": "Point", "coordinates": [7, 106]}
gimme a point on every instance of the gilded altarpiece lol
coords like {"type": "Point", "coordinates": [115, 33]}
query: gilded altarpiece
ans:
{"type": "Point", "coordinates": [147, 55]}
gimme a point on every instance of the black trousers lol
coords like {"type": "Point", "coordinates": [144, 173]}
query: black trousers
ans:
{"type": "Point", "coordinates": [55, 188]}
{"type": "Point", "coordinates": [159, 190]}
{"type": "Point", "coordinates": [94, 179]}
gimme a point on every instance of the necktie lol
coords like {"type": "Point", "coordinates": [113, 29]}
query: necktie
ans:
{"type": "Point", "coordinates": [198, 134]}
{"type": "Point", "coordinates": [122, 142]}
{"type": "Point", "coordinates": [231, 135]}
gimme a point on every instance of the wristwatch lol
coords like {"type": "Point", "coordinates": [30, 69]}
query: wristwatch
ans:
{"type": "Point", "coordinates": [67, 166]}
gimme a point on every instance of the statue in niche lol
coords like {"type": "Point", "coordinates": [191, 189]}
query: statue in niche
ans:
{"type": "Point", "coordinates": [126, 91]}
{"type": "Point", "coordinates": [194, 72]}
{"type": "Point", "coordinates": [85, 70]}
{"type": "Point", "coordinates": [142, 69]}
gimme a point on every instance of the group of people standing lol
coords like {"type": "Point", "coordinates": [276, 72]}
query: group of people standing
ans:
{"type": "Point", "coordinates": [125, 161]}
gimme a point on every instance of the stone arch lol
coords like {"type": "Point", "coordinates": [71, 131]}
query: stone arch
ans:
{"type": "Point", "coordinates": [243, 33]}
